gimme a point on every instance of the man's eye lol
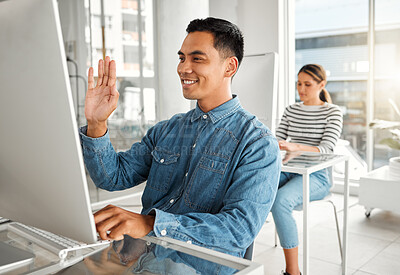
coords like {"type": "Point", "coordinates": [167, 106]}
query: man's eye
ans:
{"type": "Point", "coordinates": [196, 59]}
{"type": "Point", "coordinates": [181, 59]}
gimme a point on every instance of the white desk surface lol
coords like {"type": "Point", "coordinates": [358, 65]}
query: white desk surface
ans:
{"type": "Point", "coordinates": [381, 174]}
{"type": "Point", "coordinates": [308, 162]}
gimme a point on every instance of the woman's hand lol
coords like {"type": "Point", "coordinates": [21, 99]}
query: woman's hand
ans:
{"type": "Point", "coordinates": [288, 146]}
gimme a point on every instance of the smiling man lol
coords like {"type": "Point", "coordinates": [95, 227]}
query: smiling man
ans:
{"type": "Point", "coordinates": [211, 173]}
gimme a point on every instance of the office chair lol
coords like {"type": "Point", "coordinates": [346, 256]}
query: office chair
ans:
{"type": "Point", "coordinates": [249, 252]}
{"type": "Point", "coordinates": [327, 199]}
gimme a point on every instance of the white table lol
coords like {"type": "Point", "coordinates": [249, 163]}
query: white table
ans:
{"type": "Point", "coordinates": [379, 189]}
{"type": "Point", "coordinates": [305, 163]}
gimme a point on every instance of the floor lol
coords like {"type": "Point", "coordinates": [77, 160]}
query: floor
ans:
{"type": "Point", "coordinates": [373, 243]}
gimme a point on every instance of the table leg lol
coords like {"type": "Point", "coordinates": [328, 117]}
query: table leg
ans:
{"type": "Point", "coordinates": [345, 216]}
{"type": "Point", "coordinates": [306, 199]}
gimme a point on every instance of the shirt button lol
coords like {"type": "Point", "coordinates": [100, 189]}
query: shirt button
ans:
{"type": "Point", "coordinates": [162, 160]}
{"type": "Point", "coordinates": [205, 116]}
{"type": "Point", "coordinates": [171, 201]}
{"type": "Point", "coordinates": [194, 145]}
{"type": "Point", "coordinates": [186, 174]}
{"type": "Point", "coordinates": [163, 232]}
{"type": "Point", "coordinates": [189, 242]}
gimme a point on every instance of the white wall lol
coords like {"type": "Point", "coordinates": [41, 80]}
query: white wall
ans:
{"type": "Point", "coordinates": [172, 18]}
{"type": "Point", "coordinates": [267, 26]}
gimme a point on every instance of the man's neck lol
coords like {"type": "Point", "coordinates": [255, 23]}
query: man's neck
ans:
{"type": "Point", "coordinates": [207, 105]}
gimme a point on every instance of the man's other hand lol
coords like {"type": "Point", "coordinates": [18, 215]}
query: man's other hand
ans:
{"type": "Point", "coordinates": [101, 100]}
{"type": "Point", "coordinates": [120, 222]}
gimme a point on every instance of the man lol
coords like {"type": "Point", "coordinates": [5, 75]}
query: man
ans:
{"type": "Point", "coordinates": [211, 173]}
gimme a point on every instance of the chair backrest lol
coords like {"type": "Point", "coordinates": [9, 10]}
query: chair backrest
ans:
{"type": "Point", "coordinates": [249, 252]}
{"type": "Point", "coordinates": [327, 197]}
{"type": "Point", "coordinates": [256, 84]}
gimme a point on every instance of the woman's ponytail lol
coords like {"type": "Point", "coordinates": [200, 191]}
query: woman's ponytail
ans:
{"type": "Point", "coordinates": [325, 96]}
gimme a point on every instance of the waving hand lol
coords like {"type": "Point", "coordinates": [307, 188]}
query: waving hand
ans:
{"type": "Point", "coordinates": [101, 100]}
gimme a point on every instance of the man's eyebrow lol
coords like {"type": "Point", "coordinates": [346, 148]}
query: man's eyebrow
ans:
{"type": "Point", "coordinates": [197, 52]}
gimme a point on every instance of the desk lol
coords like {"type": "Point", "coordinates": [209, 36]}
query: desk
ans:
{"type": "Point", "coordinates": [148, 255]}
{"type": "Point", "coordinates": [305, 163]}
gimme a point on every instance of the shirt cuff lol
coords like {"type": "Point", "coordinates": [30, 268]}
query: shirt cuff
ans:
{"type": "Point", "coordinates": [93, 143]}
{"type": "Point", "coordinates": [165, 224]}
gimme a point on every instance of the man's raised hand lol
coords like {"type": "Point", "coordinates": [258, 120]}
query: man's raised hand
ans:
{"type": "Point", "coordinates": [101, 100]}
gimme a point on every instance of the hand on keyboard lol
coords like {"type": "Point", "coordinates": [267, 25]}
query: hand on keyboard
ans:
{"type": "Point", "coordinates": [120, 222]}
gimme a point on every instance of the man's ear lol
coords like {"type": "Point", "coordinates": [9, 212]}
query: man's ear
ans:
{"type": "Point", "coordinates": [232, 66]}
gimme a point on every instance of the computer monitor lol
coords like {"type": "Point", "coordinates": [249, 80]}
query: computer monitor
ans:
{"type": "Point", "coordinates": [256, 84]}
{"type": "Point", "coordinates": [42, 178]}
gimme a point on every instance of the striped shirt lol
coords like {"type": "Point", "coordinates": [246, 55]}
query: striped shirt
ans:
{"type": "Point", "coordinates": [319, 125]}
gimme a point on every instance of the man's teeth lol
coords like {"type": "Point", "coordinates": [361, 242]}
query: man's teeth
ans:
{"type": "Point", "coordinates": [189, 81]}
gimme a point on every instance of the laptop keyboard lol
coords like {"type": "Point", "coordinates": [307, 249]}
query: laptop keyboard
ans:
{"type": "Point", "coordinates": [3, 220]}
{"type": "Point", "coordinates": [55, 243]}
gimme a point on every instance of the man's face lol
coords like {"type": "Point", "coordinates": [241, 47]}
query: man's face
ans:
{"type": "Point", "coordinates": [201, 68]}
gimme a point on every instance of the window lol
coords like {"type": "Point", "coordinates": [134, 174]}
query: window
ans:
{"type": "Point", "coordinates": [387, 75]}
{"type": "Point", "coordinates": [335, 35]}
{"type": "Point", "coordinates": [128, 40]}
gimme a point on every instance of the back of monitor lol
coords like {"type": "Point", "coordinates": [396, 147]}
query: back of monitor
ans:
{"type": "Point", "coordinates": [256, 84]}
{"type": "Point", "coordinates": [42, 179]}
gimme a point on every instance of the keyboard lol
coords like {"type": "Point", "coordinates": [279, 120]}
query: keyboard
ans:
{"type": "Point", "coordinates": [57, 244]}
{"type": "Point", "coordinates": [3, 220]}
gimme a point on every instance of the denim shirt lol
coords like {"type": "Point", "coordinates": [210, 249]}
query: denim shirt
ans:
{"type": "Point", "coordinates": [211, 177]}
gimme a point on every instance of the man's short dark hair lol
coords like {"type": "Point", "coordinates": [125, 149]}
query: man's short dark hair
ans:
{"type": "Point", "coordinates": [228, 39]}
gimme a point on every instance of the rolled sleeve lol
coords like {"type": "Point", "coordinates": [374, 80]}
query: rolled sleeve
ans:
{"type": "Point", "coordinates": [165, 224]}
{"type": "Point", "coordinates": [93, 144]}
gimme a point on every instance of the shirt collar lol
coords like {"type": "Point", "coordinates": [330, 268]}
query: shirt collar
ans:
{"type": "Point", "coordinates": [219, 112]}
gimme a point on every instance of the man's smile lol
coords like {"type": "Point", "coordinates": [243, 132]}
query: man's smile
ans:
{"type": "Point", "coordinates": [186, 83]}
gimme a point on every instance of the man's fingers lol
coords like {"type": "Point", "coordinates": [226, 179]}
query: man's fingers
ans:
{"type": "Point", "coordinates": [112, 74]}
{"type": "Point", "coordinates": [117, 233]}
{"type": "Point", "coordinates": [90, 78]}
{"type": "Point", "coordinates": [100, 72]}
{"type": "Point", "coordinates": [103, 214]}
{"type": "Point", "coordinates": [114, 96]}
{"type": "Point", "coordinates": [107, 225]}
{"type": "Point", "coordinates": [106, 70]}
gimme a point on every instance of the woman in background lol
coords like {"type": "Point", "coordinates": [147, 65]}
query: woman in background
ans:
{"type": "Point", "coordinates": [314, 125]}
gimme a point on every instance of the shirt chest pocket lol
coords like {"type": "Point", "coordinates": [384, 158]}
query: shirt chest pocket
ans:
{"type": "Point", "coordinates": [207, 186]}
{"type": "Point", "coordinates": [162, 169]}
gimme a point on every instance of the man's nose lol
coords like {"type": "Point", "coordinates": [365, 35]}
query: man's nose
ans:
{"type": "Point", "coordinates": [184, 67]}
